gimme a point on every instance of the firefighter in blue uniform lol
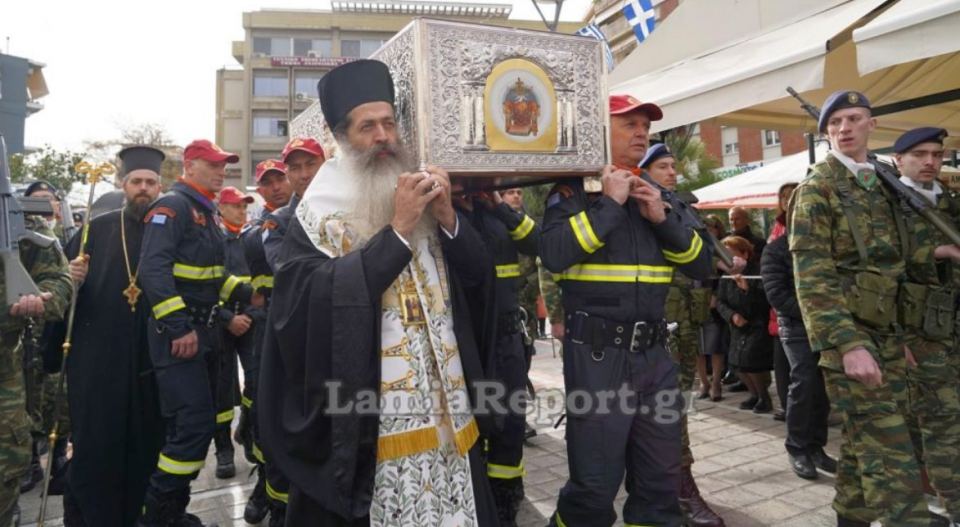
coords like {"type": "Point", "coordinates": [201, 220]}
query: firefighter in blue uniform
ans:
{"type": "Point", "coordinates": [506, 233]}
{"type": "Point", "coordinates": [236, 319]}
{"type": "Point", "coordinates": [614, 254]}
{"type": "Point", "coordinates": [303, 158]}
{"type": "Point", "coordinates": [182, 273]}
{"type": "Point", "coordinates": [270, 492]}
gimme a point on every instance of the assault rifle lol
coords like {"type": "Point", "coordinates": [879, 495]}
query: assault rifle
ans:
{"type": "Point", "coordinates": [910, 200]}
{"type": "Point", "coordinates": [13, 229]}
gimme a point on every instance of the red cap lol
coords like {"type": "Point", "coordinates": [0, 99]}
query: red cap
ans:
{"type": "Point", "coordinates": [621, 104]}
{"type": "Point", "coordinates": [232, 196]}
{"type": "Point", "coordinates": [270, 165]}
{"type": "Point", "coordinates": [206, 150]}
{"type": "Point", "coordinates": [303, 144]}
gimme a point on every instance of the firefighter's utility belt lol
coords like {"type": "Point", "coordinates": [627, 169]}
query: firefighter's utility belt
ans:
{"type": "Point", "coordinates": [509, 323]}
{"type": "Point", "coordinates": [599, 333]}
{"type": "Point", "coordinates": [203, 315]}
{"type": "Point", "coordinates": [929, 310]}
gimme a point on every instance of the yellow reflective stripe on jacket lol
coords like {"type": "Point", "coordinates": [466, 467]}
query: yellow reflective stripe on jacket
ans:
{"type": "Point", "coordinates": [276, 495]}
{"type": "Point", "coordinates": [651, 274]}
{"type": "Point", "coordinates": [508, 271]}
{"type": "Point", "coordinates": [526, 227]}
{"type": "Point", "coordinates": [257, 453]}
{"type": "Point", "coordinates": [262, 281]}
{"type": "Point", "coordinates": [225, 417]}
{"type": "Point", "coordinates": [230, 284]}
{"type": "Point", "coordinates": [179, 468]}
{"type": "Point", "coordinates": [696, 244]}
{"type": "Point", "coordinates": [246, 401]}
{"type": "Point", "coordinates": [505, 471]}
{"type": "Point", "coordinates": [192, 272]}
{"type": "Point", "coordinates": [168, 306]}
{"type": "Point", "coordinates": [559, 521]}
{"type": "Point", "coordinates": [584, 232]}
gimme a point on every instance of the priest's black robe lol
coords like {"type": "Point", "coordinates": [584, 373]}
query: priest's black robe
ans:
{"type": "Point", "coordinates": [117, 430]}
{"type": "Point", "coordinates": [324, 325]}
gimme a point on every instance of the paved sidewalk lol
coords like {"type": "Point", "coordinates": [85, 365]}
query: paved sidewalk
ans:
{"type": "Point", "coordinates": [741, 467]}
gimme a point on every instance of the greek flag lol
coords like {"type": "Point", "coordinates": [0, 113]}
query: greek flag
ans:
{"type": "Point", "coordinates": [640, 16]}
{"type": "Point", "coordinates": [593, 31]}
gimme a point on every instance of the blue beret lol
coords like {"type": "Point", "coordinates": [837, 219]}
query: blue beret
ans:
{"type": "Point", "coordinates": [654, 153]}
{"type": "Point", "coordinates": [37, 186]}
{"type": "Point", "coordinates": [912, 138]}
{"type": "Point", "coordinates": [839, 100]}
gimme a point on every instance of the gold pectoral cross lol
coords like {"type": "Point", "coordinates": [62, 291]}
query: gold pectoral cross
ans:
{"type": "Point", "coordinates": [132, 292]}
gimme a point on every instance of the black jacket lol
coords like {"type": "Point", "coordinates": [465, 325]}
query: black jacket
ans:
{"type": "Point", "coordinates": [776, 267]}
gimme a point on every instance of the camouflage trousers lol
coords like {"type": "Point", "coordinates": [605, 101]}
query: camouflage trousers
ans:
{"type": "Point", "coordinates": [934, 417]}
{"type": "Point", "coordinates": [41, 397]}
{"type": "Point", "coordinates": [878, 476]}
{"type": "Point", "coordinates": [684, 346]}
{"type": "Point", "coordinates": [14, 432]}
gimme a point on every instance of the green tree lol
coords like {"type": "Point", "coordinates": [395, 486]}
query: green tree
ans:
{"type": "Point", "coordinates": [57, 167]}
{"type": "Point", "coordinates": [694, 165]}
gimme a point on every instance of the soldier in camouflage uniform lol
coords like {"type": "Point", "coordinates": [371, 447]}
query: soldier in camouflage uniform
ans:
{"type": "Point", "coordinates": [48, 268]}
{"type": "Point", "coordinates": [688, 305]}
{"type": "Point", "coordinates": [929, 303]}
{"type": "Point", "coordinates": [42, 387]}
{"type": "Point", "coordinates": [850, 247]}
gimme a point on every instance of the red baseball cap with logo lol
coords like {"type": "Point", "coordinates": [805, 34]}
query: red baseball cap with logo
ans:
{"type": "Point", "coordinates": [208, 151]}
{"type": "Point", "coordinates": [302, 144]}
{"type": "Point", "coordinates": [270, 165]}
{"type": "Point", "coordinates": [232, 196]}
{"type": "Point", "coordinates": [623, 104]}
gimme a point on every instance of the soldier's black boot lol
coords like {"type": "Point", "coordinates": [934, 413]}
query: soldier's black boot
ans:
{"type": "Point", "coordinates": [278, 513]}
{"type": "Point", "coordinates": [34, 474]}
{"type": "Point", "coordinates": [696, 512]}
{"type": "Point", "coordinates": [258, 505]}
{"type": "Point", "coordinates": [225, 467]}
{"type": "Point", "coordinates": [158, 509]}
{"type": "Point", "coordinates": [58, 475]}
{"type": "Point", "coordinates": [507, 493]}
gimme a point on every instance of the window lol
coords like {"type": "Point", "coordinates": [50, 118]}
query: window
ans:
{"type": "Point", "coordinates": [273, 46]}
{"type": "Point", "coordinates": [359, 48]}
{"type": "Point", "coordinates": [261, 45]}
{"type": "Point", "coordinates": [270, 84]}
{"type": "Point", "coordinates": [731, 148]}
{"type": "Point", "coordinates": [306, 83]}
{"type": "Point", "coordinates": [771, 138]}
{"type": "Point", "coordinates": [305, 47]}
{"type": "Point", "coordinates": [270, 126]}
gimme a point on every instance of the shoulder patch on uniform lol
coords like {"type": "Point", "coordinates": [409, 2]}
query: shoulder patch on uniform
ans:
{"type": "Point", "coordinates": [159, 212]}
{"type": "Point", "coordinates": [558, 194]}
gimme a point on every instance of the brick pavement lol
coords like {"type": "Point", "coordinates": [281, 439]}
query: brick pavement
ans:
{"type": "Point", "coordinates": [741, 467]}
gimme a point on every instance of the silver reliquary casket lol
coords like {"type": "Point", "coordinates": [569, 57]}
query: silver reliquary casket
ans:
{"type": "Point", "coordinates": [494, 103]}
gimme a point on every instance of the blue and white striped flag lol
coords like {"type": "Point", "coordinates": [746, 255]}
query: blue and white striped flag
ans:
{"type": "Point", "coordinates": [641, 17]}
{"type": "Point", "coordinates": [593, 31]}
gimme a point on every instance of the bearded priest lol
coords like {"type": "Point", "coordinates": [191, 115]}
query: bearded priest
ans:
{"type": "Point", "coordinates": [373, 355]}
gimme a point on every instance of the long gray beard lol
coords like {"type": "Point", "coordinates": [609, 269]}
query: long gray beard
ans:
{"type": "Point", "coordinates": [375, 182]}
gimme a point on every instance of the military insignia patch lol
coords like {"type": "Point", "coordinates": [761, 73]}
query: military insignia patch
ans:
{"type": "Point", "coordinates": [853, 98]}
{"type": "Point", "coordinates": [867, 178]}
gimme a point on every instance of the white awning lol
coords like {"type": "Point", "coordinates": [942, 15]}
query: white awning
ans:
{"type": "Point", "coordinates": [743, 72]}
{"type": "Point", "coordinates": [757, 188]}
{"type": "Point", "coordinates": [910, 30]}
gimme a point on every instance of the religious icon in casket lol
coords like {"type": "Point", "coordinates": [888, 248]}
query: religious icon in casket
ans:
{"type": "Point", "coordinates": [500, 106]}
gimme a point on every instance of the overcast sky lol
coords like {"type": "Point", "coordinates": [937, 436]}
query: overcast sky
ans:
{"type": "Point", "coordinates": [114, 63]}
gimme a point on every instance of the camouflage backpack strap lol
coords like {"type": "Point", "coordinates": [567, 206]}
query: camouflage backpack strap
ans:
{"type": "Point", "coordinates": [904, 217]}
{"type": "Point", "coordinates": [850, 210]}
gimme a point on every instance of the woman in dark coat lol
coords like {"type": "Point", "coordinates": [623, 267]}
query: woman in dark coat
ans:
{"type": "Point", "coordinates": [743, 304]}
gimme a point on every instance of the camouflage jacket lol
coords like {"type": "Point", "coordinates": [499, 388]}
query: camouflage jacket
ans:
{"type": "Point", "coordinates": [688, 300]}
{"type": "Point", "coordinates": [825, 254]}
{"type": "Point", "coordinates": [48, 268]}
{"type": "Point", "coordinates": [926, 235]}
